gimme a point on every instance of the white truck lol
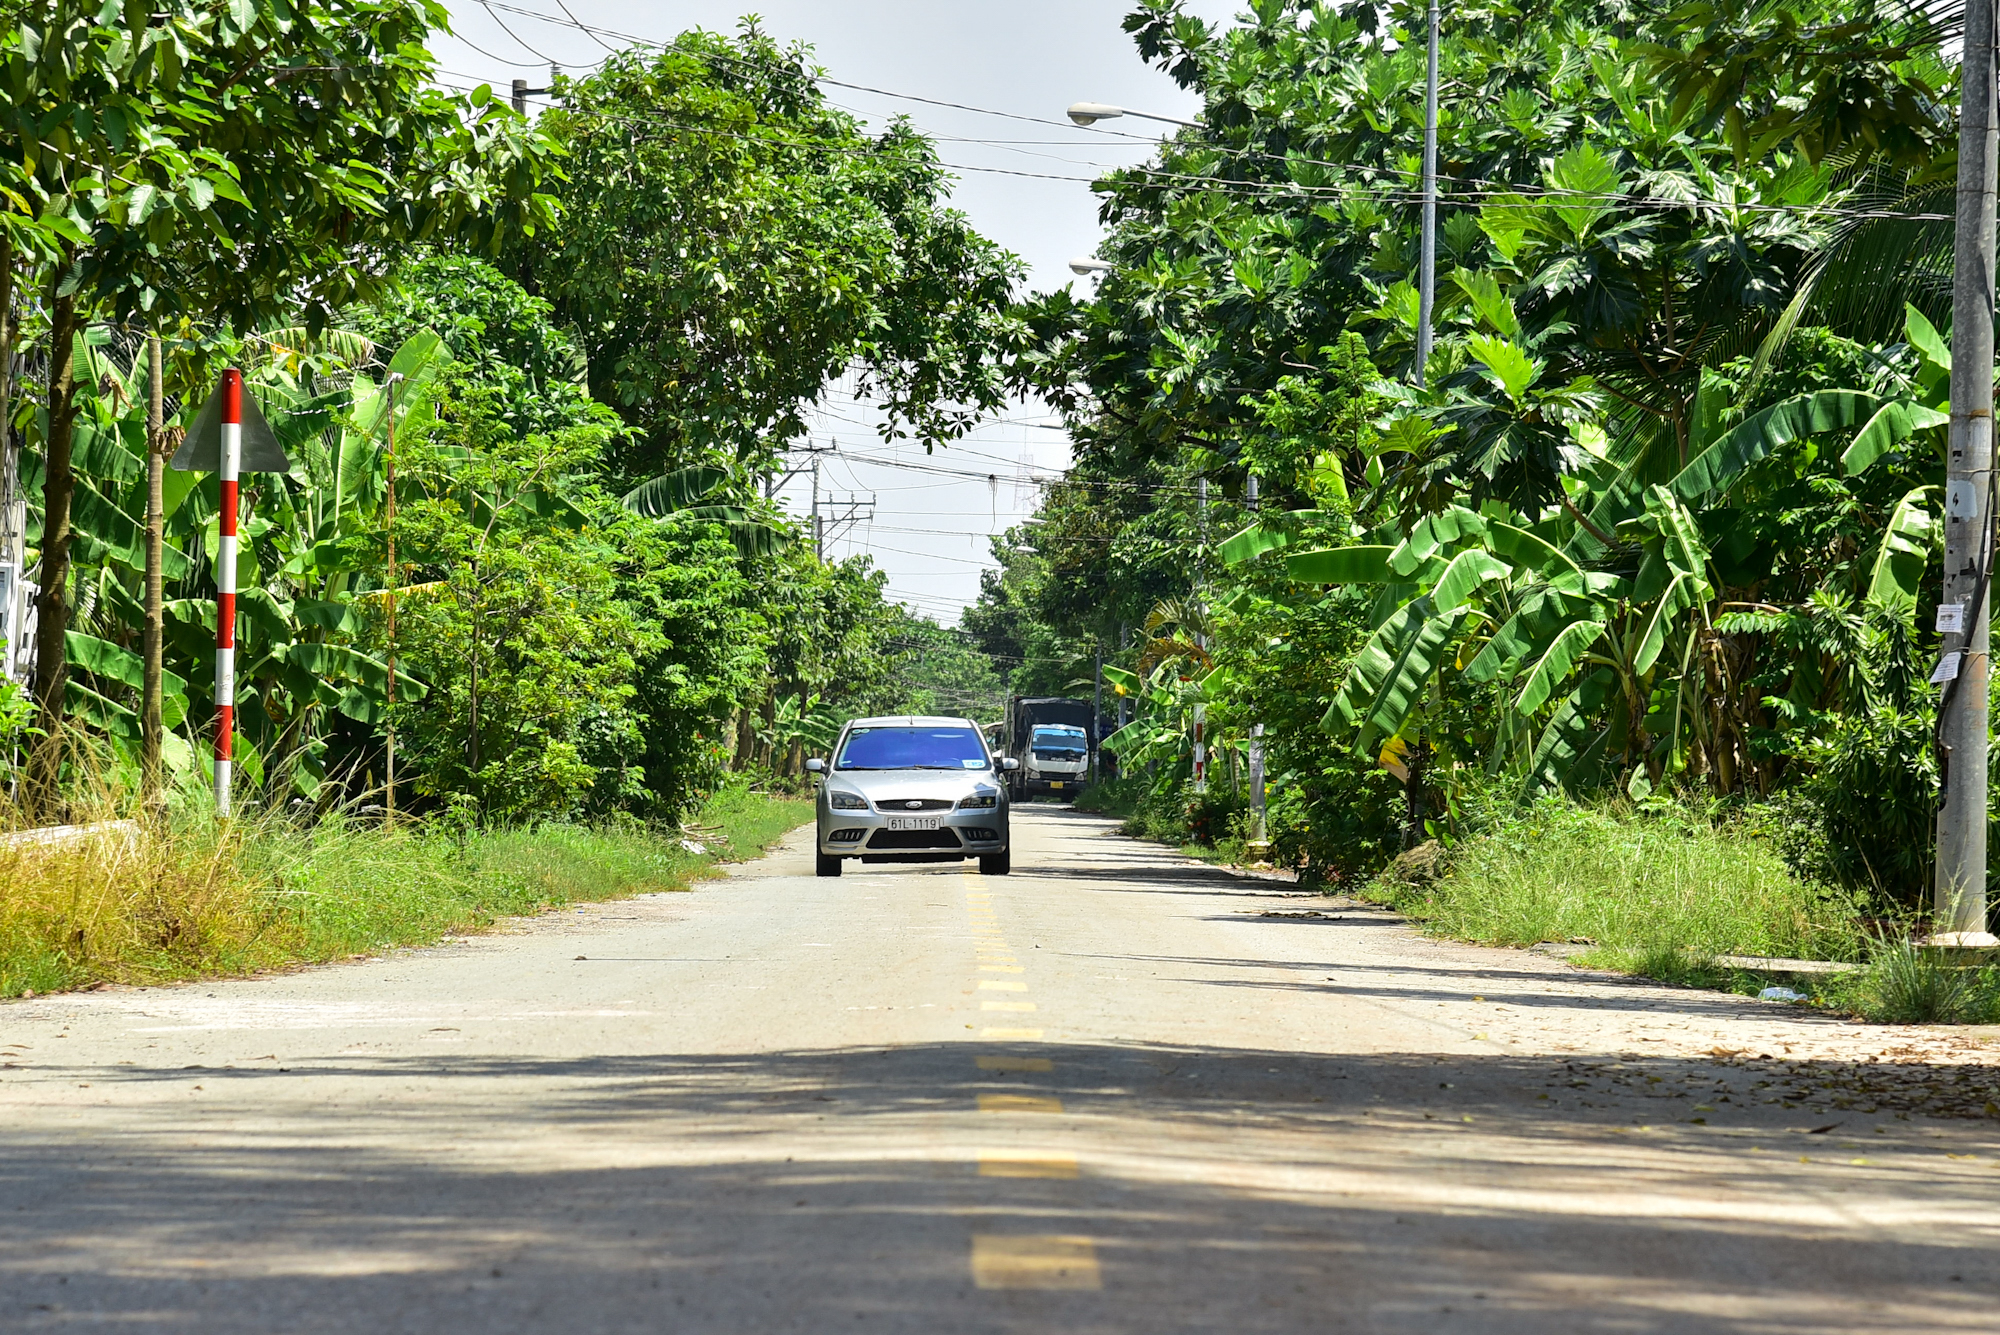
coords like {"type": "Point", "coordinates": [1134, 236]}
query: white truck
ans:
{"type": "Point", "coordinates": [1051, 737]}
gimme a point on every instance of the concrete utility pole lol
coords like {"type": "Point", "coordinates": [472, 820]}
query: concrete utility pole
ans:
{"type": "Point", "coordinates": [1096, 712]}
{"type": "Point", "coordinates": [390, 582]}
{"type": "Point", "coordinates": [1427, 261]}
{"type": "Point", "coordinates": [1960, 910]}
{"type": "Point", "coordinates": [14, 596]}
{"type": "Point", "coordinates": [152, 676]}
{"type": "Point", "coordinates": [834, 516]}
{"type": "Point", "coordinates": [521, 92]}
{"type": "Point", "coordinates": [1259, 840]}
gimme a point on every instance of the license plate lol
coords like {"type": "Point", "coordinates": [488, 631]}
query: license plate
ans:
{"type": "Point", "coordinates": [1055, 783]}
{"type": "Point", "coordinates": [916, 822]}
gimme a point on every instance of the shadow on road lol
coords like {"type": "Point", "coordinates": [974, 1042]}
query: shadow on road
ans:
{"type": "Point", "coordinates": [753, 1192]}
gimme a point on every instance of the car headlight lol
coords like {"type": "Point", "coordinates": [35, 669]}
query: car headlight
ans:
{"type": "Point", "coordinates": [978, 802]}
{"type": "Point", "coordinates": [840, 801]}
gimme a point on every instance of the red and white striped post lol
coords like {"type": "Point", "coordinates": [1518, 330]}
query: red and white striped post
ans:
{"type": "Point", "coordinates": [225, 583]}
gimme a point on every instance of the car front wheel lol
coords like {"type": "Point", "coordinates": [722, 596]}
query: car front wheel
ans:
{"type": "Point", "coordinates": [996, 864]}
{"type": "Point", "coordinates": [825, 866]}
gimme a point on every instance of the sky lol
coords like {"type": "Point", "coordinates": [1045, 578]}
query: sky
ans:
{"type": "Point", "coordinates": [931, 514]}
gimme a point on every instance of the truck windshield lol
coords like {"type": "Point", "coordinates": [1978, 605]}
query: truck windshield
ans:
{"type": "Point", "coordinates": [912, 748]}
{"type": "Point", "coordinates": [1053, 742]}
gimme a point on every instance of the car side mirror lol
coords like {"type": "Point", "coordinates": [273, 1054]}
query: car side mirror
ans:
{"type": "Point", "coordinates": [816, 765]}
{"type": "Point", "coordinates": [1008, 764]}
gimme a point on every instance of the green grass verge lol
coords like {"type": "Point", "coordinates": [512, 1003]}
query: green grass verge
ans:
{"type": "Point", "coordinates": [196, 901]}
{"type": "Point", "coordinates": [1663, 893]}
{"type": "Point", "coordinates": [1649, 889]}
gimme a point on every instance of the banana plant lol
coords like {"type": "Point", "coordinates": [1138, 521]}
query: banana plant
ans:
{"type": "Point", "coordinates": [1592, 671]}
{"type": "Point", "coordinates": [691, 493]}
{"type": "Point", "coordinates": [307, 566]}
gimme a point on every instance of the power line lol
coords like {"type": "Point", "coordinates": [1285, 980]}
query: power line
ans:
{"type": "Point", "coordinates": [1486, 186]}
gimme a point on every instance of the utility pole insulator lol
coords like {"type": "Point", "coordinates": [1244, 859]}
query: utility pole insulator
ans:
{"type": "Point", "coordinates": [521, 93]}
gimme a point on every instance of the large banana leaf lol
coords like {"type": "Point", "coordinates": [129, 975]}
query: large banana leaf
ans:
{"type": "Point", "coordinates": [1802, 415]}
{"type": "Point", "coordinates": [1896, 576]}
{"type": "Point", "coordinates": [1527, 549]}
{"type": "Point", "coordinates": [1681, 593]}
{"type": "Point", "coordinates": [1431, 533]}
{"type": "Point", "coordinates": [661, 496]}
{"type": "Point", "coordinates": [752, 536]}
{"type": "Point", "coordinates": [1250, 542]}
{"type": "Point", "coordinates": [116, 663]}
{"type": "Point", "coordinates": [1340, 565]}
{"type": "Point", "coordinates": [1462, 578]}
{"type": "Point", "coordinates": [109, 533]}
{"type": "Point", "coordinates": [1387, 679]}
{"type": "Point", "coordinates": [1543, 614]}
{"type": "Point", "coordinates": [1892, 424]}
{"type": "Point", "coordinates": [1556, 663]}
{"type": "Point", "coordinates": [337, 662]}
{"type": "Point", "coordinates": [1403, 687]}
{"type": "Point", "coordinates": [1571, 748]}
{"type": "Point", "coordinates": [1684, 548]}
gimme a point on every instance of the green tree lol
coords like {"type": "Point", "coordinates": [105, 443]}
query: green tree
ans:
{"type": "Point", "coordinates": [235, 163]}
{"type": "Point", "coordinates": [514, 622]}
{"type": "Point", "coordinates": [731, 244]}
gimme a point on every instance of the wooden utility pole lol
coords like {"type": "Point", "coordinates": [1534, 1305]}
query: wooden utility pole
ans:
{"type": "Point", "coordinates": [1959, 916]}
{"type": "Point", "coordinates": [156, 471]}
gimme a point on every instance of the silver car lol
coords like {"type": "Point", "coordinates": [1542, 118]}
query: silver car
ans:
{"type": "Point", "coordinates": [912, 789]}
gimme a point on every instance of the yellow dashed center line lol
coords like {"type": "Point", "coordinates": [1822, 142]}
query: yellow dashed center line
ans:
{"type": "Point", "coordinates": [1018, 1064]}
{"type": "Point", "coordinates": [1019, 1103]}
{"type": "Point", "coordinates": [1034, 1261]}
{"type": "Point", "coordinates": [1001, 1163]}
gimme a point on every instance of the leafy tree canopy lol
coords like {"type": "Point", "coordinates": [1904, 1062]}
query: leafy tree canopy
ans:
{"type": "Point", "coordinates": [731, 244]}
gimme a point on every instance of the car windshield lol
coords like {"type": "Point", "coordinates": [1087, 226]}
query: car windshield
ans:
{"type": "Point", "coordinates": [912, 748]}
{"type": "Point", "coordinates": [1056, 738]}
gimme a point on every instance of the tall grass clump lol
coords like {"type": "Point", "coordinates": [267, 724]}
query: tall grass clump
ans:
{"type": "Point", "coordinates": [1907, 984]}
{"type": "Point", "coordinates": [181, 895]}
{"type": "Point", "coordinates": [133, 902]}
{"type": "Point", "coordinates": [1663, 887]}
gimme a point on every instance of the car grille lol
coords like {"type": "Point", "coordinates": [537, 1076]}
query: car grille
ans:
{"type": "Point", "coordinates": [894, 805]}
{"type": "Point", "coordinates": [905, 839]}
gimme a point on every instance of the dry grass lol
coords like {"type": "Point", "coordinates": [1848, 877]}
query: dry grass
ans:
{"type": "Point", "coordinates": [187, 897]}
{"type": "Point", "coordinates": [135, 903]}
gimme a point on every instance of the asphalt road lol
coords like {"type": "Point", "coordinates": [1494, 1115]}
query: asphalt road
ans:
{"type": "Point", "coordinates": [1113, 1092]}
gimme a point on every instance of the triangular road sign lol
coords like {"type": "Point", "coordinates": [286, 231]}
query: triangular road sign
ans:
{"type": "Point", "coordinates": [201, 452]}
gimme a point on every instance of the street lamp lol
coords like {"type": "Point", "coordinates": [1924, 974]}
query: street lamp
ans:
{"type": "Point", "coordinates": [1083, 266]}
{"type": "Point", "coordinates": [1088, 114]}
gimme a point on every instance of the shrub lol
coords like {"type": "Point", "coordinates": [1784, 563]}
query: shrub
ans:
{"type": "Point", "coordinates": [1863, 818]}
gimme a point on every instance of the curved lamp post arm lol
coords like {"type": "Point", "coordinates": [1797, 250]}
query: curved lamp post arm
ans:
{"type": "Point", "coordinates": [1088, 114]}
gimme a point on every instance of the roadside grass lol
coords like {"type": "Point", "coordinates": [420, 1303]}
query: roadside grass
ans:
{"type": "Point", "coordinates": [1659, 892]}
{"type": "Point", "coordinates": [1663, 893]}
{"type": "Point", "coordinates": [1907, 984]}
{"type": "Point", "coordinates": [1114, 797]}
{"type": "Point", "coordinates": [190, 898]}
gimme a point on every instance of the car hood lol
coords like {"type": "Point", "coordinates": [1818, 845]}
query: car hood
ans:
{"type": "Point", "coordinates": [888, 785]}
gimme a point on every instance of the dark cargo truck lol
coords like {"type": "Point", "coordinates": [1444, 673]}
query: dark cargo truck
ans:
{"type": "Point", "coordinates": [1052, 738]}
